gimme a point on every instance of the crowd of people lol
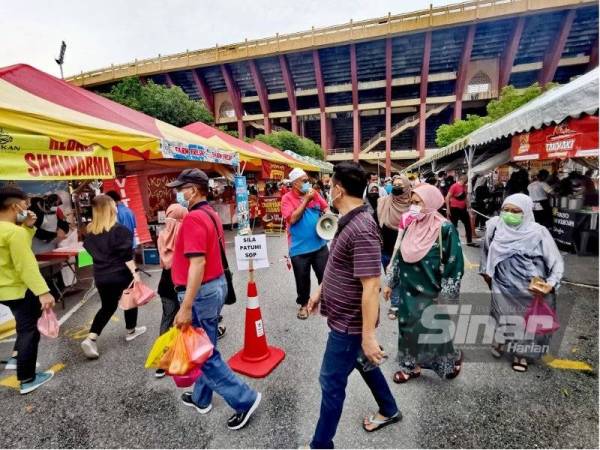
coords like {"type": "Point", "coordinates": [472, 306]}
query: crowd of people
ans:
{"type": "Point", "coordinates": [401, 229]}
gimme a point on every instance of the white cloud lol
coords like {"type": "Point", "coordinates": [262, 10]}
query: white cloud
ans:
{"type": "Point", "coordinates": [117, 31]}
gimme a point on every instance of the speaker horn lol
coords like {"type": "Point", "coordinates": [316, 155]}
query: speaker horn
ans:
{"type": "Point", "coordinates": [327, 226]}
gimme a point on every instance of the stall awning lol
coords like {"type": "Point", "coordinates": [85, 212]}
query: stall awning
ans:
{"type": "Point", "coordinates": [283, 157]}
{"type": "Point", "coordinates": [573, 99]}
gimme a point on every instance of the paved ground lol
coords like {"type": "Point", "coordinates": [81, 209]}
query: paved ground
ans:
{"type": "Point", "coordinates": [114, 402]}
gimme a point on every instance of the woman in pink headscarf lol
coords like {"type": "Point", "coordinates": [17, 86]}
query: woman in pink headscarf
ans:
{"type": "Point", "coordinates": [427, 262]}
{"type": "Point", "coordinates": [166, 289]}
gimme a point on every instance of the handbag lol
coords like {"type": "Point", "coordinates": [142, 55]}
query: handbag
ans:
{"type": "Point", "coordinates": [231, 298]}
{"type": "Point", "coordinates": [48, 324]}
{"type": "Point", "coordinates": [137, 294]}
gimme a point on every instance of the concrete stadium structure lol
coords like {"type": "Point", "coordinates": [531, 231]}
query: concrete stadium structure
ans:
{"type": "Point", "coordinates": [375, 91]}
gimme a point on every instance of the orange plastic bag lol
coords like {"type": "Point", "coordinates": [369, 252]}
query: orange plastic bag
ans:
{"type": "Point", "coordinates": [198, 345]}
{"type": "Point", "coordinates": [180, 361]}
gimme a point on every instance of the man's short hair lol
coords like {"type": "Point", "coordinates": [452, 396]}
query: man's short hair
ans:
{"type": "Point", "coordinates": [352, 177]}
{"type": "Point", "coordinates": [543, 175]}
{"type": "Point", "coordinates": [114, 195]}
{"type": "Point", "coordinates": [9, 194]}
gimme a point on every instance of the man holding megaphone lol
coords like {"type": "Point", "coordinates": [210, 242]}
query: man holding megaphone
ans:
{"type": "Point", "coordinates": [301, 208]}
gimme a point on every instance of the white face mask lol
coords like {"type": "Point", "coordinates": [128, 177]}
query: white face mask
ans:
{"type": "Point", "coordinates": [415, 210]}
{"type": "Point", "coordinates": [21, 215]}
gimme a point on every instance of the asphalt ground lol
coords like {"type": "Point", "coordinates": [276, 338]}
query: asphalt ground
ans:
{"type": "Point", "coordinates": [115, 402]}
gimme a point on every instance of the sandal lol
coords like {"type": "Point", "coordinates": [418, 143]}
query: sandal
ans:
{"type": "Point", "coordinates": [302, 313]}
{"type": "Point", "coordinates": [391, 314]}
{"type": "Point", "coordinates": [519, 365]}
{"type": "Point", "coordinates": [401, 377]}
{"type": "Point", "coordinates": [497, 351]}
{"type": "Point", "coordinates": [381, 423]}
{"type": "Point", "coordinates": [457, 367]}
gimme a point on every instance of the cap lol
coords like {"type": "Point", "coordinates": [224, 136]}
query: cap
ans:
{"type": "Point", "coordinates": [189, 176]}
{"type": "Point", "coordinates": [296, 173]}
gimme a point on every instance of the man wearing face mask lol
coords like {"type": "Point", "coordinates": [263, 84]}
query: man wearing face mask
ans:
{"type": "Point", "coordinates": [301, 208]}
{"type": "Point", "coordinates": [22, 287]}
{"type": "Point", "coordinates": [199, 277]}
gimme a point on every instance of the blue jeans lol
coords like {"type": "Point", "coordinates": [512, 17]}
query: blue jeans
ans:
{"type": "Point", "coordinates": [339, 361]}
{"type": "Point", "coordinates": [216, 374]}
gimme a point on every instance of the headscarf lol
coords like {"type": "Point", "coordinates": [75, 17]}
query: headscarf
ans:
{"type": "Point", "coordinates": [372, 201]}
{"type": "Point", "coordinates": [424, 230]}
{"type": "Point", "coordinates": [167, 236]}
{"type": "Point", "coordinates": [391, 207]}
{"type": "Point", "coordinates": [508, 241]}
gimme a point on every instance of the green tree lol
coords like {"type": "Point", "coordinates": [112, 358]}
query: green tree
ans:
{"type": "Point", "coordinates": [510, 99]}
{"type": "Point", "coordinates": [170, 105]}
{"type": "Point", "coordinates": [286, 140]}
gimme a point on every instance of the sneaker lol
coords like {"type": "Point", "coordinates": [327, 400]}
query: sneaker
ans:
{"type": "Point", "coordinates": [40, 378]}
{"type": "Point", "coordinates": [138, 331]}
{"type": "Point", "coordinates": [221, 331]}
{"type": "Point", "coordinates": [90, 349]}
{"type": "Point", "coordinates": [11, 364]}
{"type": "Point", "coordinates": [240, 420]}
{"type": "Point", "coordinates": [186, 398]}
{"type": "Point", "coordinates": [160, 373]}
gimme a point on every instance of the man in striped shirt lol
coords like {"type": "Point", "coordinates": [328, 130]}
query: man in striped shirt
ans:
{"type": "Point", "coordinates": [349, 298]}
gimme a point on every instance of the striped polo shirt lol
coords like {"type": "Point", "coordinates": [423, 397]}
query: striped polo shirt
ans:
{"type": "Point", "coordinates": [355, 253]}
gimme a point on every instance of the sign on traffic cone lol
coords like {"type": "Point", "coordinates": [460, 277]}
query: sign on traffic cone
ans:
{"type": "Point", "coordinates": [256, 359]}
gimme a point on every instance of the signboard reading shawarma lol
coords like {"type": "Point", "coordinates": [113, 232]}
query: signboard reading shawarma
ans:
{"type": "Point", "coordinates": [38, 157]}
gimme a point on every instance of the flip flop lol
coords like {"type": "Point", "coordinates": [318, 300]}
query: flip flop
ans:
{"type": "Point", "coordinates": [519, 365]}
{"type": "Point", "coordinates": [401, 377]}
{"type": "Point", "coordinates": [457, 367]}
{"type": "Point", "coordinates": [302, 314]}
{"type": "Point", "coordinates": [382, 423]}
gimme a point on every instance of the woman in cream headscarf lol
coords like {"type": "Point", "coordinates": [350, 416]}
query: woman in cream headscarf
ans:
{"type": "Point", "coordinates": [517, 249]}
{"type": "Point", "coordinates": [428, 260]}
{"type": "Point", "coordinates": [166, 289]}
{"type": "Point", "coordinates": [389, 213]}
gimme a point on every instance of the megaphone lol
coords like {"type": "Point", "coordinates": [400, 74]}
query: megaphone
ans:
{"type": "Point", "coordinates": [327, 226]}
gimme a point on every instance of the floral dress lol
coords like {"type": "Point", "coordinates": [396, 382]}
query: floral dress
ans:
{"type": "Point", "coordinates": [417, 286]}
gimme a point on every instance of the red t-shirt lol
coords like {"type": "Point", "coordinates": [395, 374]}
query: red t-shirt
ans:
{"type": "Point", "coordinates": [198, 236]}
{"type": "Point", "coordinates": [457, 190]}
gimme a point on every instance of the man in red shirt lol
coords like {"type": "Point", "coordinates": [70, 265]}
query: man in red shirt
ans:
{"type": "Point", "coordinates": [199, 279]}
{"type": "Point", "coordinates": [456, 205]}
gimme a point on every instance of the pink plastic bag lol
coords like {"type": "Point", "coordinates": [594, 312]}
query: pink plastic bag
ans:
{"type": "Point", "coordinates": [137, 294]}
{"type": "Point", "coordinates": [184, 381]}
{"type": "Point", "coordinates": [540, 318]}
{"type": "Point", "coordinates": [48, 324]}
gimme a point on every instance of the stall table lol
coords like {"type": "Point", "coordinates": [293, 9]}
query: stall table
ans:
{"type": "Point", "coordinates": [573, 228]}
{"type": "Point", "coordinates": [55, 261]}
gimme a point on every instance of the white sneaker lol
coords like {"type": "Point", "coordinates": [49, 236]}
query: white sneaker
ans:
{"type": "Point", "coordinates": [90, 349]}
{"type": "Point", "coordinates": [137, 332]}
{"type": "Point", "coordinates": [11, 364]}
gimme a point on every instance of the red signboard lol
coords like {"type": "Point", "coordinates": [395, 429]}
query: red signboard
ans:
{"type": "Point", "coordinates": [571, 138]}
{"type": "Point", "coordinates": [270, 213]}
{"type": "Point", "coordinates": [129, 189]}
{"type": "Point", "coordinates": [273, 171]}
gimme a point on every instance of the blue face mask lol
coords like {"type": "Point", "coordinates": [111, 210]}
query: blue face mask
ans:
{"type": "Point", "coordinates": [181, 199]}
{"type": "Point", "coordinates": [388, 188]}
{"type": "Point", "coordinates": [305, 187]}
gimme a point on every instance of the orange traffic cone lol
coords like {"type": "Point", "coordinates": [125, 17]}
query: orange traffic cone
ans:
{"type": "Point", "coordinates": [256, 359]}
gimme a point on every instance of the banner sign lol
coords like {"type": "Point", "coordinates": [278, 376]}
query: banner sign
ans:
{"type": "Point", "coordinates": [251, 248]}
{"type": "Point", "coordinates": [131, 196]}
{"type": "Point", "coordinates": [572, 138]}
{"type": "Point", "coordinates": [195, 152]}
{"type": "Point", "coordinates": [273, 171]}
{"type": "Point", "coordinates": [270, 209]}
{"type": "Point", "coordinates": [160, 197]}
{"type": "Point", "coordinates": [241, 200]}
{"type": "Point", "coordinates": [37, 157]}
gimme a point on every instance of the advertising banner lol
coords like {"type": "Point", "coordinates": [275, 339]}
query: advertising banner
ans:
{"type": "Point", "coordinates": [160, 197]}
{"type": "Point", "coordinates": [243, 208]}
{"type": "Point", "coordinates": [37, 157]}
{"type": "Point", "coordinates": [572, 138]}
{"type": "Point", "coordinates": [273, 171]}
{"type": "Point", "coordinates": [131, 196]}
{"type": "Point", "coordinates": [272, 220]}
{"type": "Point", "coordinates": [196, 152]}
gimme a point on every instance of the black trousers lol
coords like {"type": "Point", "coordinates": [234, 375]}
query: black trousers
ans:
{"type": "Point", "coordinates": [170, 307]}
{"type": "Point", "coordinates": [544, 216]}
{"type": "Point", "coordinates": [110, 293]}
{"type": "Point", "coordinates": [302, 264]}
{"type": "Point", "coordinates": [27, 311]}
{"type": "Point", "coordinates": [461, 214]}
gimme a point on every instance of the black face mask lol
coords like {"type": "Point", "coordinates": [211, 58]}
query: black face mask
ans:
{"type": "Point", "coordinates": [373, 195]}
{"type": "Point", "coordinates": [397, 190]}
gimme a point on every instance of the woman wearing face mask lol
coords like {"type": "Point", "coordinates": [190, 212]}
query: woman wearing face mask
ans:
{"type": "Point", "coordinates": [111, 247]}
{"type": "Point", "coordinates": [372, 197]}
{"type": "Point", "coordinates": [22, 287]}
{"type": "Point", "coordinates": [428, 262]}
{"type": "Point", "coordinates": [517, 249]}
{"type": "Point", "coordinates": [389, 212]}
